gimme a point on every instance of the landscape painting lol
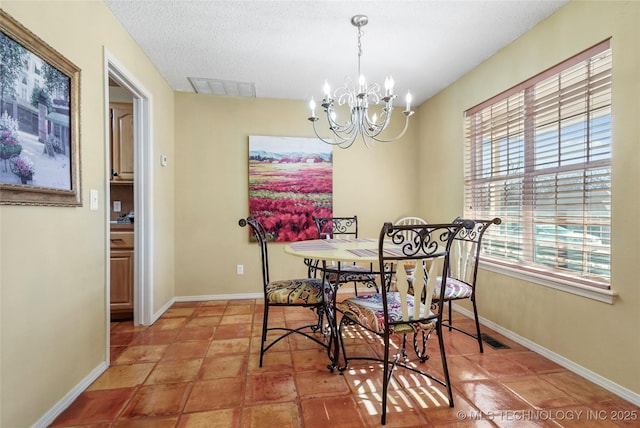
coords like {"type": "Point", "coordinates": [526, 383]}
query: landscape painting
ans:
{"type": "Point", "coordinates": [290, 181]}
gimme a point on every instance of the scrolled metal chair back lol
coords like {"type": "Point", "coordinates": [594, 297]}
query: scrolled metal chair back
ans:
{"type": "Point", "coordinates": [426, 244]}
{"type": "Point", "coordinates": [329, 227]}
{"type": "Point", "coordinates": [260, 233]}
{"type": "Point", "coordinates": [424, 239]}
{"type": "Point", "coordinates": [410, 221]}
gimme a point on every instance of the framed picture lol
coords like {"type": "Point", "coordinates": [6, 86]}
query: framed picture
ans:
{"type": "Point", "coordinates": [39, 121]}
{"type": "Point", "coordinates": [290, 181]}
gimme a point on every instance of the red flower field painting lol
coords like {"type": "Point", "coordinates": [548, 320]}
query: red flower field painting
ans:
{"type": "Point", "coordinates": [290, 180]}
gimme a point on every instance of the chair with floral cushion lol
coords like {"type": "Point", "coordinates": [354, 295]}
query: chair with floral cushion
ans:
{"type": "Point", "coordinates": [392, 314]}
{"type": "Point", "coordinates": [303, 292]}
{"type": "Point", "coordinates": [463, 272]}
{"type": "Point", "coordinates": [345, 228]}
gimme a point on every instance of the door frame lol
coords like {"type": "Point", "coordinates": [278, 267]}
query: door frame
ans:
{"type": "Point", "coordinates": [142, 189]}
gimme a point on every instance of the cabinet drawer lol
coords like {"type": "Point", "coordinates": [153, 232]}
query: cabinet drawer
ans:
{"type": "Point", "coordinates": [121, 240]}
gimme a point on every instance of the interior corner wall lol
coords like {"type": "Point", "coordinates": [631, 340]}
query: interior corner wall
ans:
{"type": "Point", "coordinates": [53, 259]}
{"type": "Point", "coordinates": [601, 338]}
{"type": "Point", "coordinates": [212, 159]}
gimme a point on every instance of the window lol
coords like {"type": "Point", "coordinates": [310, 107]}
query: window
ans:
{"type": "Point", "coordinates": [539, 157]}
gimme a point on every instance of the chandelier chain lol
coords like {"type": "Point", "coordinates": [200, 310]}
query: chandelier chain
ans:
{"type": "Point", "coordinates": [360, 34]}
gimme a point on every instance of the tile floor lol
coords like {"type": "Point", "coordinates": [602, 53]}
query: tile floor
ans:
{"type": "Point", "coordinates": [197, 366]}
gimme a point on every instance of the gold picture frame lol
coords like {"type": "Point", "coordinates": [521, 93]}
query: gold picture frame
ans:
{"type": "Point", "coordinates": [39, 121]}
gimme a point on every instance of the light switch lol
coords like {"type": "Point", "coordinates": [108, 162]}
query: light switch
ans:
{"type": "Point", "coordinates": [163, 160]}
{"type": "Point", "coordinates": [117, 206]}
{"type": "Point", "coordinates": [93, 200]}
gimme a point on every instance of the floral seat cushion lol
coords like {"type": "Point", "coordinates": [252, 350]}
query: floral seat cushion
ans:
{"type": "Point", "coordinates": [368, 311]}
{"type": "Point", "coordinates": [455, 289]}
{"type": "Point", "coordinates": [307, 291]}
{"type": "Point", "coordinates": [349, 273]}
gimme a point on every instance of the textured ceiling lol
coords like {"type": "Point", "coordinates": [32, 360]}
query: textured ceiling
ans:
{"type": "Point", "coordinates": [289, 48]}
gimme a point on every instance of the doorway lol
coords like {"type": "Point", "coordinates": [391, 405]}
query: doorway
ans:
{"type": "Point", "coordinates": [121, 203]}
{"type": "Point", "coordinates": [116, 74]}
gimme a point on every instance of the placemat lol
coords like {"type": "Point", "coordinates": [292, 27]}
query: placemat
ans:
{"type": "Point", "coordinates": [311, 246]}
{"type": "Point", "coordinates": [374, 253]}
{"type": "Point", "coordinates": [350, 240]}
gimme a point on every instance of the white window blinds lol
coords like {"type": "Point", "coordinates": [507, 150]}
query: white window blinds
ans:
{"type": "Point", "coordinates": [539, 157]}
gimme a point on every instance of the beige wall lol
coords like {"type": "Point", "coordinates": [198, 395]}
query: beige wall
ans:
{"type": "Point", "coordinates": [52, 291]}
{"type": "Point", "coordinates": [212, 150]}
{"type": "Point", "coordinates": [53, 260]}
{"type": "Point", "coordinates": [600, 337]}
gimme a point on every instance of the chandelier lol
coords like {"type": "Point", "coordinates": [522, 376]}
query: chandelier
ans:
{"type": "Point", "coordinates": [359, 123]}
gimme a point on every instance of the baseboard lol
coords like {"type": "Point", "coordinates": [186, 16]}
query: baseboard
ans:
{"type": "Point", "coordinates": [599, 380]}
{"type": "Point", "coordinates": [219, 297]}
{"type": "Point", "coordinates": [62, 405]}
{"type": "Point", "coordinates": [162, 310]}
{"type": "Point", "coordinates": [71, 396]}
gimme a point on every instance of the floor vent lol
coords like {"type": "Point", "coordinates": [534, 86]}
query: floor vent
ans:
{"type": "Point", "coordinates": [494, 343]}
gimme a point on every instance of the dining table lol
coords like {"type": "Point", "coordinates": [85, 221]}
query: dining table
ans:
{"type": "Point", "coordinates": [327, 257]}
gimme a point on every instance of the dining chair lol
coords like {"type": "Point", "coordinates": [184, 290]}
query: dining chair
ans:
{"type": "Point", "coordinates": [409, 221]}
{"type": "Point", "coordinates": [461, 282]}
{"type": "Point", "coordinates": [392, 314]}
{"type": "Point", "coordinates": [303, 292]}
{"type": "Point", "coordinates": [345, 228]}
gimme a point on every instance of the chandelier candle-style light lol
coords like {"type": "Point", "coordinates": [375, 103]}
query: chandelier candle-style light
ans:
{"type": "Point", "coordinates": [358, 100]}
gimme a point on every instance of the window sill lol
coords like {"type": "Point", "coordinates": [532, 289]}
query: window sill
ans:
{"type": "Point", "coordinates": [601, 295]}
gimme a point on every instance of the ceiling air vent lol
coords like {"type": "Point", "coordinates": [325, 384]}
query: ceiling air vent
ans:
{"type": "Point", "coordinates": [223, 87]}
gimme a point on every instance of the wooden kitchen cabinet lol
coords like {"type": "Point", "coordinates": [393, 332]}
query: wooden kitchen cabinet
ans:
{"type": "Point", "coordinates": [121, 115]}
{"type": "Point", "coordinates": [122, 257]}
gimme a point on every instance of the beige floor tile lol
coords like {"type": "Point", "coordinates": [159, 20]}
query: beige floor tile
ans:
{"type": "Point", "coordinates": [272, 415]}
{"type": "Point", "coordinates": [122, 376]}
{"type": "Point", "coordinates": [174, 371]}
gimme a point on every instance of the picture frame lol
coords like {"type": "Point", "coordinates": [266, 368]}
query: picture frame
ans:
{"type": "Point", "coordinates": [290, 181]}
{"type": "Point", "coordinates": [39, 121]}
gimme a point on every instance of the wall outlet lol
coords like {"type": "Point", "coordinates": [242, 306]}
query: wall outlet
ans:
{"type": "Point", "coordinates": [117, 206]}
{"type": "Point", "coordinates": [240, 269]}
